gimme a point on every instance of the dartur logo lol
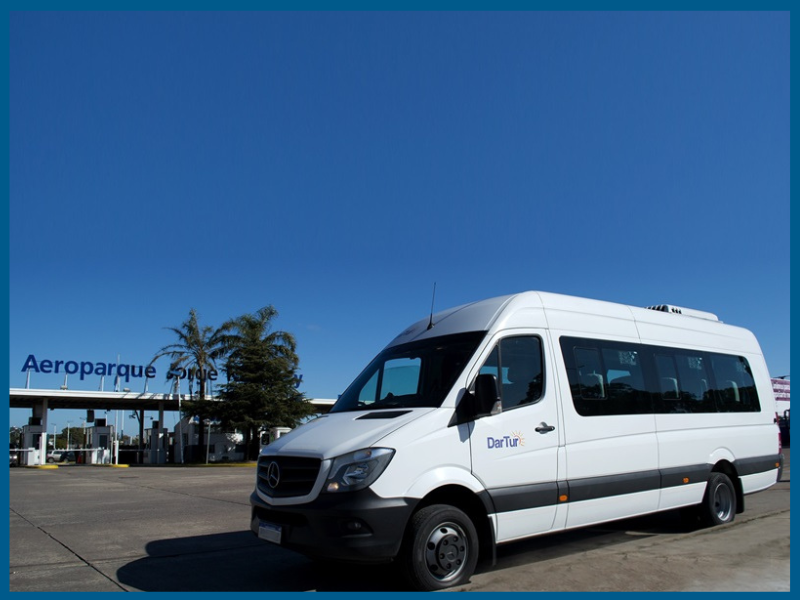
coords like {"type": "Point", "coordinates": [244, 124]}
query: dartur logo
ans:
{"type": "Point", "coordinates": [515, 440]}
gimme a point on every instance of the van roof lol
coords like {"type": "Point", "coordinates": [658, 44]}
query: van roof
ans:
{"type": "Point", "coordinates": [483, 314]}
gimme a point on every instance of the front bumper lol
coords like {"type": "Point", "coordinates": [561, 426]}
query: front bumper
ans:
{"type": "Point", "coordinates": [351, 526]}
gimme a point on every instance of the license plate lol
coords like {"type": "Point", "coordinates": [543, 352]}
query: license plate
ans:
{"type": "Point", "coordinates": [269, 532]}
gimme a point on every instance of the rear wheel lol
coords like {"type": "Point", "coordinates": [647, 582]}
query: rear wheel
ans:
{"type": "Point", "coordinates": [719, 502]}
{"type": "Point", "coordinates": [441, 548]}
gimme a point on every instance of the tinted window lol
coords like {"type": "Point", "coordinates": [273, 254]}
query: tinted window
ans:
{"type": "Point", "coordinates": [399, 377]}
{"type": "Point", "coordinates": [608, 378]}
{"type": "Point", "coordinates": [691, 376]}
{"type": "Point", "coordinates": [591, 383]}
{"type": "Point", "coordinates": [414, 374]}
{"type": "Point", "coordinates": [668, 386]}
{"type": "Point", "coordinates": [516, 362]}
{"type": "Point", "coordinates": [736, 388]}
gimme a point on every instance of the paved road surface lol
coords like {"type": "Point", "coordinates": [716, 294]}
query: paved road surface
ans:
{"type": "Point", "coordinates": [84, 528]}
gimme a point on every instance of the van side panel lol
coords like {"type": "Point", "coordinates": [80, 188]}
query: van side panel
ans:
{"type": "Point", "coordinates": [581, 318]}
{"type": "Point", "coordinates": [515, 452]}
{"type": "Point", "coordinates": [674, 330]}
{"type": "Point", "coordinates": [738, 438]}
{"type": "Point", "coordinates": [607, 456]}
{"type": "Point", "coordinates": [656, 461]}
{"type": "Point", "coordinates": [446, 459]}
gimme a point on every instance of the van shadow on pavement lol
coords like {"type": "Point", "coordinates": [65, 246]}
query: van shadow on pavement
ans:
{"type": "Point", "coordinates": [238, 561]}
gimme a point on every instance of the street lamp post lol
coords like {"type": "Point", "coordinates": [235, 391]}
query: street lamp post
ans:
{"type": "Point", "coordinates": [54, 437]}
{"type": "Point", "coordinates": [68, 422]}
{"type": "Point", "coordinates": [208, 441]}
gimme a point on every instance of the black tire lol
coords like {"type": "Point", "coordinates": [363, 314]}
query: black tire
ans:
{"type": "Point", "coordinates": [50, 459]}
{"type": "Point", "coordinates": [719, 501]}
{"type": "Point", "coordinates": [440, 549]}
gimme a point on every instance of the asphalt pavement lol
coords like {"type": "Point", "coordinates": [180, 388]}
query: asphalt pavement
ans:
{"type": "Point", "coordinates": [180, 528]}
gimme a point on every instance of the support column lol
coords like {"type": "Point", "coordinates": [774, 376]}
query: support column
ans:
{"type": "Point", "coordinates": [163, 441]}
{"type": "Point", "coordinates": [40, 412]}
{"type": "Point", "coordinates": [140, 454]}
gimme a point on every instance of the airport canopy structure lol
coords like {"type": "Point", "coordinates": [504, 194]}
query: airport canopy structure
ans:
{"type": "Point", "coordinates": [42, 401]}
{"type": "Point", "coordinates": [80, 399]}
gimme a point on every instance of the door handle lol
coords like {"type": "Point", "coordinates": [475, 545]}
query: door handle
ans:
{"type": "Point", "coordinates": [544, 428]}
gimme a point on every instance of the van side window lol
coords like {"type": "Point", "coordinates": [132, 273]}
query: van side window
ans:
{"type": "Point", "coordinates": [616, 378]}
{"type": "Point", "coordinates": [736, 388]}
{"type": "Point", "coordinates": [606, 378]}
{"type": "Point", "coordinates": [669, 393]}
{"type": "Point", "coordinates": [684, 383]}
{"type": "Point", "coordinates": [591, 383]}
{"type": "Point", "coordinates": [517, 364]}
{"type": "Point", "coordinates": [695, 383]}
{"type": "Point", "coordinates": [626, 387]}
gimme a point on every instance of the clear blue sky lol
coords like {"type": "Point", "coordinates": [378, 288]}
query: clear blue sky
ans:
{"type": "Point", "coordinates": [337, 165]}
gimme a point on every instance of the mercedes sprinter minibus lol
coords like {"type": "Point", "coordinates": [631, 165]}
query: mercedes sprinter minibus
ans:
{"type": "Point", "coordinates": [519, 416]}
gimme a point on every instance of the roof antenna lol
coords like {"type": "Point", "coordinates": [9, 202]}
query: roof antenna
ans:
{"type": "Point", "coordinates": [430, 323]}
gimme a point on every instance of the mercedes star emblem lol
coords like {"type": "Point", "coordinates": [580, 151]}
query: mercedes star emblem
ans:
{"type": "Point", "coordinates": [273, 475]}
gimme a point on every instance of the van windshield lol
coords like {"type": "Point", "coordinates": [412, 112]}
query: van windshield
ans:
{"type": "Point", "coordinates": [411, 375]}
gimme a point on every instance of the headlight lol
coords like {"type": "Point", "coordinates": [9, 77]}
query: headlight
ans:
{"type": "Point", "coordinates": [357, 470]}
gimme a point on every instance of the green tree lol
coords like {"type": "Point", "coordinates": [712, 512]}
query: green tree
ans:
{"type": "Point", "coordinates": [15, 436]}
{"type": "Point", "coordinates": [197, 350]}
{"type": "Point", "coordinates": [262, 379]}
{"type": "Point", "coordinates": [77, 437]}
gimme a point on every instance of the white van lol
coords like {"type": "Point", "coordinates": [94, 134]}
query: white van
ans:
{"type": "Point", "coordinates": [519, 416]}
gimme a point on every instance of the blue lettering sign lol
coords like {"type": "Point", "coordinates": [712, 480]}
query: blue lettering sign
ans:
{"type": "Point", "coordinates": [85, 368]}
{"type": "Point", "coordinates": [101, 369]}
{"type": "Point", "coordinates": [192, 374]}
{"type": "Point", "coordinates": [30, 363]}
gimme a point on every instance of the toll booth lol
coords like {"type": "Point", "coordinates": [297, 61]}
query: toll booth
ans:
{"type": "Point", "coordinates": [99, 444]}
{"type": "Point", "coordinates": [32, 443]}
{"type": "Point", "coordinates": [156, 449]}
{"type": "Point", "coordinates": [276, 432]}
{"type": "Point", "coordinates": [272, 434]}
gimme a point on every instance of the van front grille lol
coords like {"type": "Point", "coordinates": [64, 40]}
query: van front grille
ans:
{"type": "Point", "coordinates": [286, 476]}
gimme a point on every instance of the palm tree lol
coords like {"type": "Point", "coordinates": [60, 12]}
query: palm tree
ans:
{"type": "Point", "coordinates": [255, 331]}
{"type": "Point", "coordinates": [197, 350]}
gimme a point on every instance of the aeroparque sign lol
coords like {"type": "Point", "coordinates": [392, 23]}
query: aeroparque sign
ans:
{"type": "Point", "coordinates": [84, 368]}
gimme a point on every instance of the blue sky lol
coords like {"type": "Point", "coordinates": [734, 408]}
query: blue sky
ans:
{"type": "Point", "coordinates": [336, 165]}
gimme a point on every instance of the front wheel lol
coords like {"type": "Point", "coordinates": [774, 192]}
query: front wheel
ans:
{"type": "Point", "coordinates": [719, 502]}
{"type": "Point", "coordinates": [441, 548]}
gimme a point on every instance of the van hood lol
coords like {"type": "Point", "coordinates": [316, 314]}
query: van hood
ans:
{"type": "Point", "coordinates": [335, 434]}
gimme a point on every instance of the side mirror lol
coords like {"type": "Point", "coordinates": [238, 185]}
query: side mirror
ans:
{"type": "Point", "coordinates": [487, 396]}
